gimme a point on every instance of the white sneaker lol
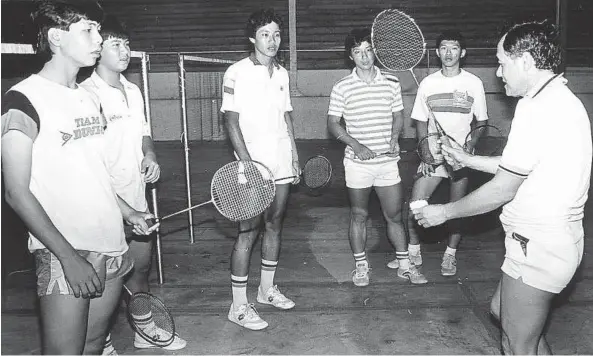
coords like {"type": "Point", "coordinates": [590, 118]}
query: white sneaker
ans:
{"type": "Point", "coordinates": [449, 265]}
{"type": "Point", "coordinates": [360, 275]}
{"type": "Point", "coordinates": [158, 333]}
{"type": "Point", "coordinates": [274, 297]}
{"type": "Point", "coordinates": [393, 264]}
{"type": "Point", "coordinates": [413, 274]}
{"type": "Point", "coordinates": [108, 349]}
{"type": "Point", "coordinates": [247, 317]}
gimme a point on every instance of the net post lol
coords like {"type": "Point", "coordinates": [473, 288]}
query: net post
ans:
{"type": "Point", "coordinates": [292, 45]}
{"type": "Point", "coordinates": [182, 92]}
{"type": "Point", "coordinates": [144, 57]}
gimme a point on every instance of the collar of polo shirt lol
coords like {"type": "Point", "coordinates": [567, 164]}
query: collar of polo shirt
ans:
{"type": "Point", "coordinates": [378, 75]}
{"type": "Point", "coordinates": [100, 82]}
{"type": "Point", "coordinates": [256, 62]}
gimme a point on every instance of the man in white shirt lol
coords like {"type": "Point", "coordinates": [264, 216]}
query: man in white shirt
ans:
{"type": "Point", "coordinates": [256, 106]}
{"type": "Point", "coordinates": [130, 155]}
{"type": "Point", "coordinates": [456, 97]}
{"type": "Point", "coordinates": [542, 186]}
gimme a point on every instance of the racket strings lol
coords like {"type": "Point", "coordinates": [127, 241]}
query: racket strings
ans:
{"type": "Point", "coordinates": [242, 190]}
{"type": "Point", "coordinates": [151, 319]}
{"type": "Point", "coordinates": [397, 40]}
{"type": "Point", "coordinates": [317, 172]}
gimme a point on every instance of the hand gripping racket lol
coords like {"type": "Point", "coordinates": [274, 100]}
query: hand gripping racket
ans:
{"type": "Point", "coordinates": [150, 318]}
{"type": "Point", "coordinates": [397, 41]}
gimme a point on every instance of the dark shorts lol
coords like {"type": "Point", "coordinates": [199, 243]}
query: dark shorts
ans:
{"type": "Point", "coordinates": [52, 281]}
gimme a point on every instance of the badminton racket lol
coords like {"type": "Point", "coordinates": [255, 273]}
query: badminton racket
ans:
{"type": "Point", "coordinates": [485, 140]}
{"type": "Point", "coordinates": [397, 41]}
{"type": "Point", "coordinates": [242, 190]}
{"type": "Point", "coordinates": [150, 318]}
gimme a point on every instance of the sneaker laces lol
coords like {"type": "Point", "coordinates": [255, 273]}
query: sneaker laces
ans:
{"type": "Point", "coordinates": [276, 294]}
{"type": "Point", "coordinates": [448, 261]}
{"type": "Point", "coordinates": [413, 270]}
{"type": "Point", "coordinates": [250, 311]}
{"type": "Point", "coordinates": [157, 333]}
{"type": "Point", "coordinates": [361, 270]}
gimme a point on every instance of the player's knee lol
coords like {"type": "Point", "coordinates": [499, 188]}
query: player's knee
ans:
{"type": "Point", "coordinates": [358, 215]}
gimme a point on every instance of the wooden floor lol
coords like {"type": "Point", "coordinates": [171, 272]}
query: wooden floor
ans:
{"type": "Point", "coordinates": [449, 315]}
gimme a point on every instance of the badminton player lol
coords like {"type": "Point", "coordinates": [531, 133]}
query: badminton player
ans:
{"type": "Point", "coordinates": [256, 106]}
{"type": "Point", "coordinates": [56, 181]}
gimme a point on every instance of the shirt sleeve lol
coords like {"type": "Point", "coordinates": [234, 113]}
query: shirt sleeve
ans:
{"type": "Point", "coordinates": [525, 145]}
{"type": "Point", "coordinates": [480, 107]}
{"type": "Point", "coordinates": [336, 102]}
{"type": "Point", "coordinates": [19, 114]}
{"type": "Point", "coordinates": [419, 110]}
{"type": "Point", "coordinates": [398, 103]}
{"type": "Point", "coordinates": [287, 94]}
{"type": "Point", "coordinates": [228, 91]}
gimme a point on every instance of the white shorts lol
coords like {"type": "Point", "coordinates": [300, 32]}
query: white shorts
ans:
{"type": "Point", "coordinates": [276, 154]}
{"type": "Point", "coordinates": [364, 175]}
{"type": "Point", "coordinates": [545, 266]}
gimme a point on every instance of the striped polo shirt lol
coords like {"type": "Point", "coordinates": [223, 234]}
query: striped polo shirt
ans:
{"type": "Point", "coordinates": [367, 109]}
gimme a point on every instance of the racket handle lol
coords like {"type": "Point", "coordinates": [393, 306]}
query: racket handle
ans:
{"type": "Point", "coordinates": [182, 211]}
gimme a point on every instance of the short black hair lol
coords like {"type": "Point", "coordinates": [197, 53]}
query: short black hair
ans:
{"type": "Point", "coordinates": [450, 35]}
{"type": "Point", "coordinates": [540, 39]}
{"type": "Point", "coordinates": [261, 18]}
{"type": "Point", "coordinates": [354, 39]}
{"type": "Point", "coordinates": [61, 14]}
{"type": "Point", "coordinates": [112, 28]}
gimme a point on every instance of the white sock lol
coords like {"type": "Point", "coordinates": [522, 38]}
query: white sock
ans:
{"type": "Point", "coordinates": [450, 251]}
{"type": "Point", "coordinates": [414, 249]}
{"type": "Point", "coordinates": [268, 270]}
{"type": "Point", "coordinates": [403, 259]}
{"type": "Point", "coordinates": [239, 287]}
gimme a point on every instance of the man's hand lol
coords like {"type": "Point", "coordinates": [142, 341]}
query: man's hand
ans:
{"type": "Point", "coordinates": [430, 215]}
{"type": "Point", "coordinates": [150, 168]}
{"type": "Point", "coordinates": [426, 169]}
{"type": "Point", "coordinates": [363, 152]}
{"type": "Point", "coordinates": [82, 277]}
{"type": "Point", "coordinates": [455, 155]}
{"type": "Point", "coordinates": [296, 170]}
{"type": "Point", "coordinates": [394, 147]}
{"type": "Point", "coordinates": [140, 223]}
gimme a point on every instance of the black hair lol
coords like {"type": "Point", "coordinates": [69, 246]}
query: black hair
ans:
{"type": "Point", "coordinates": [540, 39]}
{"type": "Point", "coordinates": [354, 39]}
{"type": "Point", "coordinates": [261, 18]}
{"type": "Point", "coordinates": [450, 35]}
{"type": "Point", "coordinates": [112, 28]}
{"type": "Point", "coordinates": [61, 14]}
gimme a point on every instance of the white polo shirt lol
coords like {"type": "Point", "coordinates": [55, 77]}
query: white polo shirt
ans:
{"type": "Point", "coordinates": [126, 126]}
{"type": "Point", "coordinates": [550, 146]}
{"type": "Point", "coordinates": [454, 101]}
{"type": "Point", "coordinates": [367, 109]}
{"type": "Point", "coordinates": [261, 101]}
{"type": "Point", "coordinates": [68, 174]}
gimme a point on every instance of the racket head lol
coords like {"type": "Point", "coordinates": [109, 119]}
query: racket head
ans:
{"type": "Point", "coordinates": [242, 190]}
{"type": "Point", "coordinates": [145, 312]}
{"type": "Point", "coordinates": [397, 40]}
{"type": "Point", "coordinates": [429, 149]}
{"type": "Point", "coordinates": [485, 140]}
{"type": "Point", "coordinates": [317, 172]}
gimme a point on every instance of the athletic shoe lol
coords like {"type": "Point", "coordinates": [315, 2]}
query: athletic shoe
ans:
{"type": "Point", "coordinates": [247, 317]}
{"type": "Point", "coordinates": [412, 274]}
{"type": "Point", "coordinates": [108, 349]}
{"type": "Point", "coordinates": [449, 265]}
{"type": "Point", "coordinates": [274, 297]}
{"type": "Point", "coordinates": [360, 276]}
{"type": "Point", "coordinates": [415, 259]}
{"type": "Point", "coordinates": [159, 334]}
{"type": "Point", "coordinates": [393, 264]}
